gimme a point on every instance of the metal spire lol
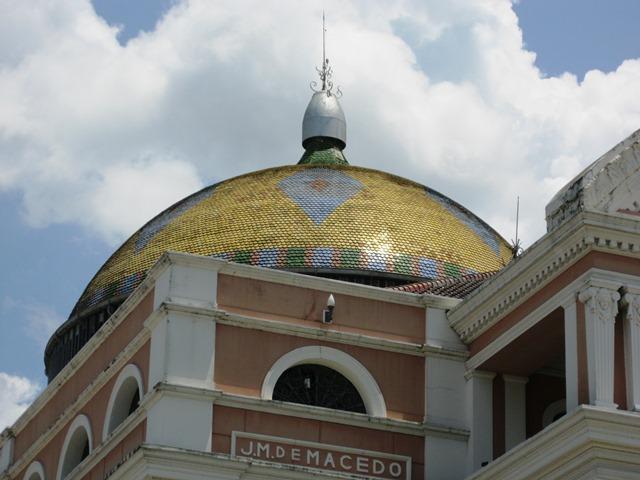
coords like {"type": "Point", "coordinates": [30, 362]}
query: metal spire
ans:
{"type": "Point", "coordinates": [325, 72]}
{"type": "Point", "coordinates": [325, 62]}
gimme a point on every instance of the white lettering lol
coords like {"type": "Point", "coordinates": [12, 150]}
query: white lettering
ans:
{"type": "Point", "coordinates": [295, 454]}
{"type": "Point", "coordinates": [362, 464]}
{"type": "Point", "coordinates": [313, 455]}
{"type": "Point", "coordinates": [395, 469]}
{"type": "Point", "coordinates": [378, 466]}
{"type": "Point", "coordinates": [280, 452]}
{"type": "Point", "coordinates": [343, 462]}
{"type": "Point", "coordinates": [329, 461]}
{"type": "Point", "coordinates": [263, 448]}
{"type": "Point", "coordinates": [250, 452]}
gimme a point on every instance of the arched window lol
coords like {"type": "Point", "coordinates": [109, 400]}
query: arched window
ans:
{"type": "Point", "coordinates": [34, 472]}
{"type": "Point", "coordinates": [346, 371]}
{"type": "Point", "coordinates": [77, 446]}
{"type": "Point", "coordinates": [320, 386]}
{"type": "Point", "coordinates": [125, 398]}
{"type": "Point", "coordinates": [553, 412]}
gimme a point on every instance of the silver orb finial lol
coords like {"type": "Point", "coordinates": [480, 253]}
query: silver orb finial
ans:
{"type": "Point", "coordinates": [324, 116]}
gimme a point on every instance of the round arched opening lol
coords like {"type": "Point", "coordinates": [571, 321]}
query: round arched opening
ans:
{"type": "Point", "coordinates": [124, 400]}
{"type": "Point", "coordinates": [352, 375]}
{"type": "Point", "coordinates": [34, 472]}
{"type": "Point", "coordinates": [320, 386]}
{"type": "Point", "coordinates": [76, 448]}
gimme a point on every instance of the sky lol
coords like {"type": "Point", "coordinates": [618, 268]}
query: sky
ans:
{"type": "Point", "coordinates": [111, 111]}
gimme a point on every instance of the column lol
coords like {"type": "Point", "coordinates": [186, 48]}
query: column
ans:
{"type": "Point", "coordinates": [515, 410]}
{"type": "Point", "coordinates": [632, 349]}
{"type": "Point", "coordinates": [601, 307]}
{"type": "Point", "coordinates": [571, 352]}
{"type": "Point", "coordinates": [480, 414]}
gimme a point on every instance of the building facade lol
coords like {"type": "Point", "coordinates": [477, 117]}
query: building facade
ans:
{"type": "Point", "coordinates": [329, 321]}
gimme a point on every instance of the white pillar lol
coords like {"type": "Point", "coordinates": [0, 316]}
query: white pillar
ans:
{"type": "Point", "coordinates": [632, 349]}
{"type": "Point", "coordinates": [6, 450]}
{"type": "Point", "coordinates": [571, 352]}
{"type": "Point", "coordinates": [480, 414]}
{"type": "Point", "coordinates": [515, 410]}
{"type": "Point", "coordinates": [601, 307]}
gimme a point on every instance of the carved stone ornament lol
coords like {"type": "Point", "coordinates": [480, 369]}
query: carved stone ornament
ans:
{"type": "Point", "coordinates": [632, 301]}
{"type": "Point", "coordinates": [602, 303]}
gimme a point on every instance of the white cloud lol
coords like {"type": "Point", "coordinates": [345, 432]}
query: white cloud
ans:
{"type": "Point", "coordinates": [104, 136]}
{"type": "Point", "coordinates": [16, 393]}
{"type": "Point", "coordinates": [37, 320]}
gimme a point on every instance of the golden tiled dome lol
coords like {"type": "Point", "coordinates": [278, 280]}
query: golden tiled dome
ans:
{"type": "Point", "coordinates": [316, 218]}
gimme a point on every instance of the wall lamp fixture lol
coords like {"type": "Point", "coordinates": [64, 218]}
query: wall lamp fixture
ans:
{"type": "Point", "coordinates": [327, 313]}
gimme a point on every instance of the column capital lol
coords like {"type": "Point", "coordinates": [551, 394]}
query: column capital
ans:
{"type": "Point", "coordinates": [481, 374]}
{"type": "Point", "coordinates": [515, 379]}
{"type": "Point", "coordinates": [632, 302]}
{"type": "Point", "coordinates": [601, 302]}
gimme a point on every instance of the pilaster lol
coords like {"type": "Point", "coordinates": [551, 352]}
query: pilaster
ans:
{"type": "Point", "coordinates": [601, 307]}
{"type": "Point", "coordinates": [480, 416]}
{"type": "Point", "coordinates": [571, 352]}
{"type": "Point", "coordinates": [515, 410]}
{"type": "Point", "coordinates": [632, 348]}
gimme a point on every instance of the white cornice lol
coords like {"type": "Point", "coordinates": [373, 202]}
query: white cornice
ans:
{"type": "Point", "coordinates": [304, 331]}
{"type": "Point", "coordinates": [218, 397]}
{"type": "Point", "coordinates": [553, 253]}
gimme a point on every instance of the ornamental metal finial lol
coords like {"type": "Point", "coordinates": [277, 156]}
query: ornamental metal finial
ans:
{"type": "Point", "coordinates": [325, 72]}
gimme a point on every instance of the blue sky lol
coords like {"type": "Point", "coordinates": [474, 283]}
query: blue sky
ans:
{"type": "Point", "coordinates": [49, 253]}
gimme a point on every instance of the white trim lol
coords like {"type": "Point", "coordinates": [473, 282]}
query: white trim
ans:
{"type": "Point", "coordinates": [81, 421]}
{"type": "Point", "coordinates": [35, 467]}
{"type": "Point", "coordinates": [130, 371]}
{"type": "Point", "coordinates": [344, 363]}
{"type": "Point", "coordinates": [552, 410]}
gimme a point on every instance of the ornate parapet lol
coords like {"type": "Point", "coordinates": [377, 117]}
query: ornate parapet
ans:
{"type": "Point", "coordinates": [609, 185]}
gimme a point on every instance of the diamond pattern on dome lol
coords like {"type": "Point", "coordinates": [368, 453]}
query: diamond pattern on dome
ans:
{"type": "Point", "coordinates": [319, 191]}
{"type": "Point", "coordinates": [301, 218]}
{"type": "Point", "coordinates": [471, 221]}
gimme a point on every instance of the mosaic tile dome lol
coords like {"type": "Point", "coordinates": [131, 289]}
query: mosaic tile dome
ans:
{"type": "Point", "coordinates": [312, 218]}
{"type": "Point", "coordinates": [320, 217]}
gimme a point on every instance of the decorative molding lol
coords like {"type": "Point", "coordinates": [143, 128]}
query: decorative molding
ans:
{"type": "Point", "coordinates": [541, 263]}
{"type": "Point", "coordinates": [601, 303]}
{"type": "Point", "coordinates": [632, 302]}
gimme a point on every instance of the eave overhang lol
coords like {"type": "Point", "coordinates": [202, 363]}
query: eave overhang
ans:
{"type": "Point", "coordinates": [588, 231]}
